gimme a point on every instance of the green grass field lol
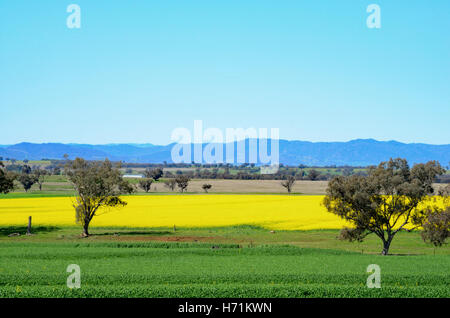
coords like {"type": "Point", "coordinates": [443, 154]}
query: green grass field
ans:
{"type": "Point", "coordinates": [245, 262]}
{"type": "Point", "coordinates": [197, 270]}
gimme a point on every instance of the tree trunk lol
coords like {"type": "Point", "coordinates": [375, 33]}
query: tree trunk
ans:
{"type": "Point", "coordinates": [386, 245]}
{"type": "Point", "coordinates": [85, 229]}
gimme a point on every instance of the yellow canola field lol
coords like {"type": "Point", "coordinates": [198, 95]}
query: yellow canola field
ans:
{"type": "Point", "coordinates": [269, 211]}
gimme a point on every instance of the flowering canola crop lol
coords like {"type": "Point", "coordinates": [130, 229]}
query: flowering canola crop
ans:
{"type": "Point", "coordinates": [280, 212]}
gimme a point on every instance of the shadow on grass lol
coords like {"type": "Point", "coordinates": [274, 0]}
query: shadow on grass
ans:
{"type": "Point", "coordinates": [5, 231]}
{"type": "Point", "coordinates": [132, 233]}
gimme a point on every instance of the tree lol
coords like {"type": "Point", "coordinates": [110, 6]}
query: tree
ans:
{"type": "Point", "coordinates": [56, 171]}
{"type": "Point", "coordinates": [27, 180]}
{"type": "Point", "coordinates": [6, 180]}
{"type": "Point", "coordinates": [384, 202]}
{"type": "Point", "coordinates": [146, 184]}
{"type": "Point", "coordinates": [206, 187]}
{"type": "Point", "coordinates": [288, 183]}
{"type": "Point", "coordinates": [40, 175]}
{"type": "Point", "coordinates": [182, 182]}
{"type": "Point", "coordinates": [436, 227]}
{"type": "Point", "coordinates": [313, 174]}
{"type": "Point", "coordinates": [170, 183]}
{"type": "Point", "coordinates": [98, 185]}
{"type": "Point", "coordinates": [154, 174]}
{"type": "Point", "coordinates": [25, 169]}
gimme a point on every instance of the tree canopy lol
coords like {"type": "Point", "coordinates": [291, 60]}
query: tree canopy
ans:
{"type": "Point", "coordinates": [6, 180]}
{"type": "Point", "coordinates": [98, 185]}
{"type": "Point", "coordinates": [385, 201]}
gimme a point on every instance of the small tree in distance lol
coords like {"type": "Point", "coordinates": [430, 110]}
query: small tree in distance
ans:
{"type": "Point", "coordinates": [27, 181]}
{"type": "Point", "coordinates": [313, 174]}
{"type": "Point", "coordinates": [288, 183]}
{"type": "Point", "coordinates": [6, 180]}
{"type": "Point", "coordinates": [436, 228]}
{"type": "Point", "coordinates": [98, 185]}
{"type": "Point", "coordinates": [154, 174]}
{"type": "Point", "coordinates": [436, 224]}
{"type": "Point", "coordinates": [40, 175]}
{"type": "Point", "coordinates": [384, 202]}
{"type": "Point", "coordinates": [206, 187]}
{"type": "Point", "coordinates": [170, 183]}
{"type": "Point", "coordinates": [182, 182]}
{"type": "Point", "coordinates": [146, 184]}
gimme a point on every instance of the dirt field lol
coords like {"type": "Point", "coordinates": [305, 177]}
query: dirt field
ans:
{"type": "Point", "coordinates": [251, 186]}
{"type": "Point", "coordinates": [218, 186]}
{"type": "Point", "coordinates": [256, 186]}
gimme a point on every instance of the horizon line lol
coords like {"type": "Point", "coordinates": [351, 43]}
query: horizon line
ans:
{"type": "Point", "coordinates": [165, 145]}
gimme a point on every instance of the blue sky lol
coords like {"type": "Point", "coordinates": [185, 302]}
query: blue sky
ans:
{"type": "Point", "coordinates": [138, 69]}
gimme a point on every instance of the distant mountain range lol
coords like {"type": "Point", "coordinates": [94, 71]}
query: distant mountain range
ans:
{"type": "Point", "coordinates": [359, 152]}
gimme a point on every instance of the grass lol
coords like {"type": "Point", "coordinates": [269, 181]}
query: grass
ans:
{"type": "Point", "coordinates": [405, 243]}
{"type": "Point", "coordinates": [160, 269]}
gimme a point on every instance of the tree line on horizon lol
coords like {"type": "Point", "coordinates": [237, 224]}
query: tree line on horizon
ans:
{"type": "Point", "coordinates": [218, 171]}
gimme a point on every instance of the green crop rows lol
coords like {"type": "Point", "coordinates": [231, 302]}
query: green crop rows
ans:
{"type": "Point", "coordinates": [198, 270]}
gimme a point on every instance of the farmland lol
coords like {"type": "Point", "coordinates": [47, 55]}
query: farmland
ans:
{"type": "Point", "coordinates": [247, 238]}
{"type": "Point", "coordinates": [196, 270]}
{"type": "Point", "coordinates": [279, 212]}
{"type": "Point", "coordinates": [238, 249]}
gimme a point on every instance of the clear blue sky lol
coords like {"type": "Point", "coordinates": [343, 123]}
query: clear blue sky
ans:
{"type": "Point", "coordinates": [138, 69]}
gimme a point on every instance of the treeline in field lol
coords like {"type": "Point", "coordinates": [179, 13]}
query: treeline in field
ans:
{"type": "Point", "coordinates": [221, 171]}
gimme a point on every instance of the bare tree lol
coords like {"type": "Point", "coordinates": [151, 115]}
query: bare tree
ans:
{"type": "Point", "coordinates": [288, 183]}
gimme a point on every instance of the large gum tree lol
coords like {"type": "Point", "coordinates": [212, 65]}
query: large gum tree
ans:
{"type": "Point", "coordinates": [98, 185]}
{"type": "Point", "coordinates": [385, 202]}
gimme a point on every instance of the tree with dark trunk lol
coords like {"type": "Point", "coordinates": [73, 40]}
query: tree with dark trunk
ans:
{"type": "Point", "coordinates": [313, 174]}
{"type": "Point", "coordinates": [146, 184]}
{"type": "Point", "coordinates": [182, 182]}
{"type": "Point", "coordinates": [154, 174]}
{"type": "Point", "coordinates": [288, 183]}
{"type": "Point", "coordinates": [27, 181]}
{"type": "Point", "coordinates": [384, 202]}
{"type": "Point", "coordinates": [40, 175]}
{"type": "Point", "coordinates": [206, 187]}
{"type": "Point", "coordinates": [98, 186]}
